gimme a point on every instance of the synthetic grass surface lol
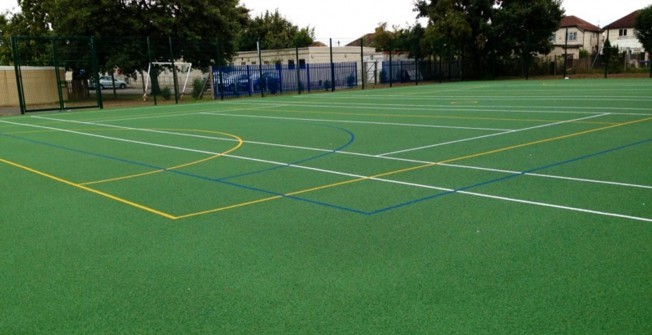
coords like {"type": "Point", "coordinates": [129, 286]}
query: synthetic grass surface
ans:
{"type": "Point", "coordinates": [492, 207]}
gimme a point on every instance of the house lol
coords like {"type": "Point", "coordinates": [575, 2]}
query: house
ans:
{"type": "Point", "coordinates": [309, 55]}
{"type": "Point", "coordinates": [621, 34]}
{"type": "Point", "coordinates": [582, 35]}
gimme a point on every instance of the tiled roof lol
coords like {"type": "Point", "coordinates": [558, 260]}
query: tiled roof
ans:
{"type": "Point", "coordinates": [574, 21]}
{"type": "Point", "coordinates": [624, 22]}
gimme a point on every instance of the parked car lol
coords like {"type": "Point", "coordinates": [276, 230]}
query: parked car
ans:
{"type": "Point", "coordinates": [235, 82]}
{"type": "Point", "coordinates": [269, 81]}
{"type": "Point", "coordinates": [107, 82]}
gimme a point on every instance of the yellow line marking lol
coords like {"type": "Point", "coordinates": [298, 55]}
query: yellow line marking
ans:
{"type": "Point", "coordinates": [88, 189]}
{"type": "Point", "coordinates": [447, 161]}
{"type": "Point", "coordinates": [238, 145]}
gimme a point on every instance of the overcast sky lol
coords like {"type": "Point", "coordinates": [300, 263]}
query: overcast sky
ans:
{"type": "Point", "coordinates": [346, 20]}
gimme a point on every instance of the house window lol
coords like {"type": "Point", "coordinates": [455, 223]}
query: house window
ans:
{"type": "Point", "coordinates": [553, 38]}
{"type": "Point", "coordinates": [291, 64]}
{"type": "Point", "coordinates": [572, 36]}
{"type": "Point", "coordinates": [302, 63]}
{"type": "Point", "coordinates": [622, 32]}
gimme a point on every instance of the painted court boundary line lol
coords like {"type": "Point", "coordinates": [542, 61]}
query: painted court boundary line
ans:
{"type": "Point", "coordinates": [351, 121]}
{"type": "Point", "coordinates": [291, 195]}
{"type": "Point", "coordinates": [491, 135]}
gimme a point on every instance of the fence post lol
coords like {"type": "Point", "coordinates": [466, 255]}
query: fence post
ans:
{"type": "Point", "coordinates": [174, 72]}
{"type": "Point", "coordinates": [390, 67]}
{"type": "Point", "coordinates": [19, 77]}
{"type": "Point", "coordinates": [260, 72]}
{"type": "Point", "coordinates": [363, 68]}
{"type": "Point", "coordinates": [308, 75]}
{"type": "Point", "coordinates": [298, 70]}
{"type": "Point", "coordinates": [332, 66]}
{"type": "Point", "coordinates": [55, 60]}
{"type": "Point", "coordinates": [96, 70]}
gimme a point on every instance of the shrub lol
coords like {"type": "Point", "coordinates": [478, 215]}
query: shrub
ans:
{"type": "Point", "coordinates": [166, 93]}
{"type": "Point", "coordinates": [350, 80]}
{"type": "Point", "coordinates": [197, 87]}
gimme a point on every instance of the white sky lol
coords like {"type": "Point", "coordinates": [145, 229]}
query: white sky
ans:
{"type": "Point", "coordinates": [346, 20]}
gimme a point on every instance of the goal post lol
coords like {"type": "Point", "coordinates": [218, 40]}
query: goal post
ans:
{"type": "Point", "coordinates": [184, 68]}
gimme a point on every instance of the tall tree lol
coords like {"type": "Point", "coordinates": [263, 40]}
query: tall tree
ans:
{"type": "Point", "coordinates": [481, 31]}
{"type": "Point", "coordinates": [458, 27]}
{"type": "Point", "coordinates": [273, 31]}
{"type": "Point", "coordinates": [643, 26]}
{"type": "Point", "coordinates": [523, 27]}
{"type": "Point", "coordinates": [120, 27]}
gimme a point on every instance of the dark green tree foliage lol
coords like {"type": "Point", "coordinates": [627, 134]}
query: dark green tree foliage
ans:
{"type": "Point", "coordinates": [458, 28]}
{"type": "Point", "coordinates": [120, 28]}
{"type": "Point", "coordinates": [523, 27]}
{"type": "Point", "coordinates": [410, 39]}
{"type": "Point", "coordinates": [274, 32]}
{"type": "Point", "coordinates": [384, 40]}
{"type": "Point", "coordinates": [643, 26]}
{"type": "Point", "coordinates": [5, 56]}
{"type": "Point", "coordinates": [483, 32]}
{"type": "Point", "coordinates": [33, 22]}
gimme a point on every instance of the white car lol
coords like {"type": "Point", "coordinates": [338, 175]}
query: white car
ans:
{"type": "Point", "coordinates": [107, 82]}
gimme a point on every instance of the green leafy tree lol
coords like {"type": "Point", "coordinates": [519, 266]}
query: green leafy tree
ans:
{"type": "Point", "coordinates": [523, 28]}
{"type": "Point", "coordinates": [273, 31]}
{"type": "Point", "coordinates": [410, 39]}
{"type": "Point", "coordinates": [5, 48]}
{"type": "Point", "coordinates": [458, 27]}
{"type": "Point", "coordinates": [120, 27]}
{"type": "Point", "coordinates": [383, 40]}
{"type": "Point", "coordinates": [484, 31]}
{"type": "Point", "coordinates": [643, 26]}
{"type": "Point", "coordinates": [26, 23]}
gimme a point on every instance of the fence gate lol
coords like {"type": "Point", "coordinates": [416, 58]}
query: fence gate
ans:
{"type": "Point", "coordinates": [370, 75]}
{"type": "Point", "coordinates": [56, 73]}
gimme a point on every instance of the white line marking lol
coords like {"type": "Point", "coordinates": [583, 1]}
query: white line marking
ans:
{"type": "Point", "coordinates": [366, 155]}
{"type": "Point", "coordinates": [457, 108]}
{"type": "Point", "coordinates": [584, 180]}
{"type": "Point", "coordinates": [113, 138]}
{"type": "Point", "coordinates": [352, 175]}
{"type": "Point", "coordinates": [352, 121]}
{"type": "Point", "coordinates": [490, 135]}
{"type": "Point", "coordinates": [568, 208]}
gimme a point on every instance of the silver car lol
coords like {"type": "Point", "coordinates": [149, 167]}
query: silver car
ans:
{"type": "Point", "coordinates": [107, 82]}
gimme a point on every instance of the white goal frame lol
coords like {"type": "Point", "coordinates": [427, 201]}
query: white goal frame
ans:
{"type": "Point", "coordinates": [176, 65]}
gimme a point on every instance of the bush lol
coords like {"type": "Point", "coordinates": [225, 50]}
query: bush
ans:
{"type": "Point", "coordinates": [197, 88]}
{"type": "Point", "coordinates": [350, 80]}
{"type": "Point", "coordinates": [166, 93]}
{"type": "Point", "coordinates": [327, 85]}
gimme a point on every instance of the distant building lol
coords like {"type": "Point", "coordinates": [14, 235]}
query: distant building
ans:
{"type": "Point", "coordinates": [621, 33]}
{"type": "Point", "coordinates": [309, 55]}
{"type": "Point", "coordinates": [582, 35]}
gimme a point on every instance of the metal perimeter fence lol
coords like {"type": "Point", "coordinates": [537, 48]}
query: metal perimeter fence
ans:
{"type": "Point", "coordinates": [61, 73]}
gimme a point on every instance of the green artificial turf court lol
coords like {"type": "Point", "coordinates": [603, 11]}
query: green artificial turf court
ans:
{"type": "Point", "coordinates": [502, 207]}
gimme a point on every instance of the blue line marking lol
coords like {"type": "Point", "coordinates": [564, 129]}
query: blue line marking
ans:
{"type": "Point", "coordinates": [501, 179]}
{"type": "Point", "coordinates": [216, 180]}
{"type": "Point", "coordinates": [340, 148]}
